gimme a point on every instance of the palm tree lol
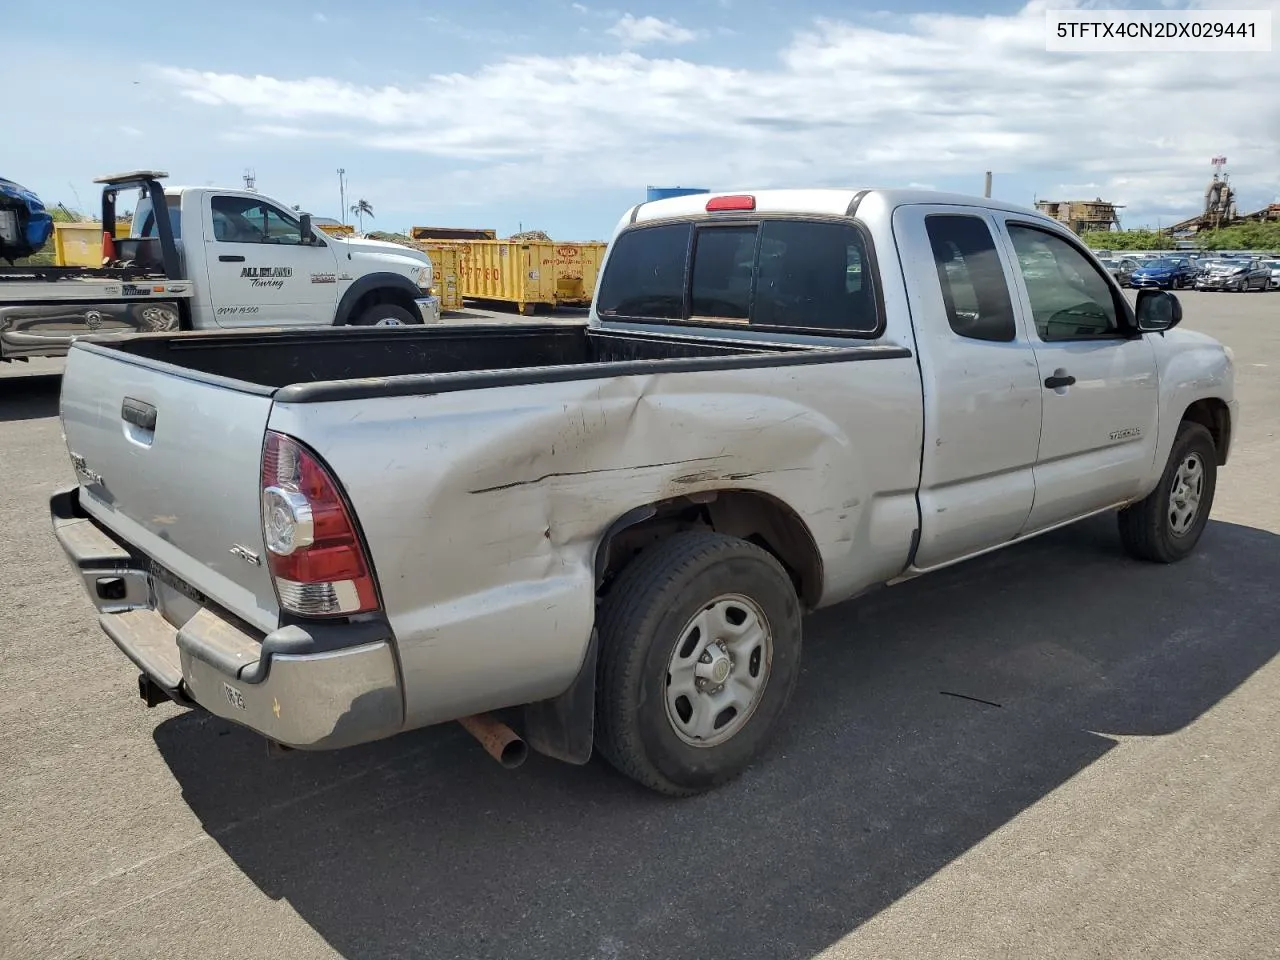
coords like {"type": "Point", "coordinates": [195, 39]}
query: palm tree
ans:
{"type": "Point", "coordinates": [361, 209]}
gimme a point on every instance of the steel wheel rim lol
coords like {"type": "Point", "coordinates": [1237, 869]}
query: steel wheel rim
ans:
{"type": "Point", "coordinates": [1185, 494]}
{"type": "Point", "coordinates": [718, 670]}
{"type": "Point", "coordinates": [389, 322]}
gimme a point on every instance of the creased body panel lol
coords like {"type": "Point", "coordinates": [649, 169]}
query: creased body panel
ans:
{"type": "Point", "coordinates": [483, 509]}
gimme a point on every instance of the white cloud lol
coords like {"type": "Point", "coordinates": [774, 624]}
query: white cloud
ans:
{"type": "Point", "coordinates": [917, 99]}
{"type": "Point", "coordinates": [581, 8]}
{"type": "Point", "coordinates": [636, 31]}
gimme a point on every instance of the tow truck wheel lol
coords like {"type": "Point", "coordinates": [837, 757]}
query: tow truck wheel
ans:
{"type": "Point", "coordinates": [385, 315]}
{"type": "Point", "coordinates": [699, 653]}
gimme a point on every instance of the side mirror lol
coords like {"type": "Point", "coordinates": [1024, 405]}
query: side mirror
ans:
{"type": "Point", "coordinates": [308, 235]}
{"type": "Point", "coordinates": [1157, 311]}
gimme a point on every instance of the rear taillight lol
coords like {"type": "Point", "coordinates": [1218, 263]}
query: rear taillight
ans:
{"type": "Point", "coordinates": [313, 548]}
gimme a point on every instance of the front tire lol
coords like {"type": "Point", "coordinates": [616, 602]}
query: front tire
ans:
{"type": "Point", "coordinates": [700, 651]}
{"type": "Point", "coordinates": [385, 315]}
{"type": "Point", "coordinates": [1166, 526]}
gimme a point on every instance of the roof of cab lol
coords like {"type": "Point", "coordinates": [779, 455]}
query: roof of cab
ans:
{"type": "Point", "coordinates": [826, 201]}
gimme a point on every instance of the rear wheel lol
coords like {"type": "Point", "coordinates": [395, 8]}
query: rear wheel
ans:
{"type": "Point", "coordinates": [385, 315]}
{"type": "Point", "coordinates": [700, 650]}
{"type": "Point", "coordinates": [1166, 526]}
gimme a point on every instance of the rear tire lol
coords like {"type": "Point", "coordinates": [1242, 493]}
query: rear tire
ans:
{"type": "Point", "coordinates": [385, 315]}
{"type": "Point", "coordinates": [659, 685]}
{"type": "Point", "coordinates": [1166, 526]}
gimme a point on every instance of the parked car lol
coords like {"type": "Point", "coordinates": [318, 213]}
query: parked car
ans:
{"type": "Point", "coordinates": [1165, 273]}
{"type": "Point", "coordinates": [1121, 268]}
{"type": "Point", "coordinates": [1238, 274]}
{"type": "Point", "coordinates": [613, 528]}
{"type": "Point", "coordinates": [1274, 267]}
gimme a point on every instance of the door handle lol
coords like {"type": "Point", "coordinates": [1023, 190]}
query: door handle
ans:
{"type": "Point", "coordinates": [1060, 378]}
{"type": "Point", "coordinates": [231, 258]}
{"type": "Point", "coordinates": [142, 415]}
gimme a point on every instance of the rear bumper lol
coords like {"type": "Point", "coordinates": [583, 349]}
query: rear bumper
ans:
{"type": "Point", "coordinates": [429, 309]}
{"type": "Point", "coordinates": [317, 687]}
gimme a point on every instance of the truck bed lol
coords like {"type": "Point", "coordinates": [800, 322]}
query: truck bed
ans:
{"type": "Point", "coordinates": [302, 366]}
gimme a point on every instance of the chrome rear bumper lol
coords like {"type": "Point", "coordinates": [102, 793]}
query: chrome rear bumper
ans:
{"type": "Point", "coordinates": [319, 686]}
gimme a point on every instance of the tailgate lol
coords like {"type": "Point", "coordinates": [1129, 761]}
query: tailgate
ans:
{"type": "Point", "coordinates": [172, 466]}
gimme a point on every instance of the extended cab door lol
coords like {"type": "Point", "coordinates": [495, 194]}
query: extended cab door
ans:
{"type": "Point", "coordinates": [981, 385]}
{"type": "Point", "coordinates": [260, 271]}
{"type": "Point", "coordinates": [1099, 379]}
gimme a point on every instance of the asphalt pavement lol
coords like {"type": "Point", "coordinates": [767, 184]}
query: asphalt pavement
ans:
{"type": "Point", "coordinates": [1052, 751]}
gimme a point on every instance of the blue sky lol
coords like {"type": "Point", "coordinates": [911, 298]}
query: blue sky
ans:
{"type": "Point", "coordinates": [555, 115]}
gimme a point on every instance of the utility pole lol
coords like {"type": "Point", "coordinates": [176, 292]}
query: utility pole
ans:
{"type": "Point", "coordinates": [986, 192]}
{"type": "Point", "coordinates": [342, 195]}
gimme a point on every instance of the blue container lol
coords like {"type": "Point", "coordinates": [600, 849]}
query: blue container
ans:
{"type": "Point", "coordinates": [663, 193]}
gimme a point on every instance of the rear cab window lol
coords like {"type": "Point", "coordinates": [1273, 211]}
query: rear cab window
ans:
{"type": "Point", "coordinates": [787, 274]}
{"type": "Point", "coordinates": [144, 218]}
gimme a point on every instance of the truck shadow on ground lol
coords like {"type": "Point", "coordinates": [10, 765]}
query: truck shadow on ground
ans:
{"type": "Point", "coordinates": [29, 396]}
{"type": "Point", "coordinates": [883, 774]}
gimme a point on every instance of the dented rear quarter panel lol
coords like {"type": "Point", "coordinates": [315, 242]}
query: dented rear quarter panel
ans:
{"type": "Point", "coordinates": [483, 509]}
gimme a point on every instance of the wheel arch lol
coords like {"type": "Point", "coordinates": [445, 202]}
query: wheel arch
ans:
{"type": "Point", "coordinates": [374, 288]}
{"type": "Point", "coordinates": [1215, 416]}
{"type": "Point", "coordinates": [750, 515]}
{"type": "Point", "coordinates": [563, 727]}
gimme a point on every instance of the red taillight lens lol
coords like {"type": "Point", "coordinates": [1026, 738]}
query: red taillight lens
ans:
{"type": "Point", "coordinates": [734, 202]}
{"type": "Point", "coordinates": [313, 549]}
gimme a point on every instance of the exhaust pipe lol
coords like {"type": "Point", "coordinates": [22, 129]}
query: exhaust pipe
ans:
{"type": "Point", "coordinates": [499, 741]}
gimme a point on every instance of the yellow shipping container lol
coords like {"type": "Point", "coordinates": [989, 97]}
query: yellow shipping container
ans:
{"type": "Point", "coordinates": [445, 260]}
{"type": "Point", "coordinates": [529, 273]}
{"type": "Point", "coordinates": [80, 244]}
{"type": "Point", "coordinates": [336, 229]}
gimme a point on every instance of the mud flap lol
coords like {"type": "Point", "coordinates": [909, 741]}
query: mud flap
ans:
{"type": "Point", "coordinates": [564, 727]}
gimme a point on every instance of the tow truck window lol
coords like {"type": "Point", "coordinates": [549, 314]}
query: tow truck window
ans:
{"type": "Point", "coordinates": [149, 221]}
{"type": "Point", "coordinates": [245, 220]}
{"type": "Point", "coordinates": [973, 285]}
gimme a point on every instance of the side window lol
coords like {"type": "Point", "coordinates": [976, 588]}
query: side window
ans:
{"type": "Point", "coordinates": [814, 275]}
{"type": "Point", "coordinates": [245, 220]}
{"type": "Point", "coordinates": [973, 285]}
{"type": "Point", "coordinates": [1070, 300]}
{"type": "Point", "coordinates": [644, 276]}
{"type": "Point", "coordinates": [723, 268]}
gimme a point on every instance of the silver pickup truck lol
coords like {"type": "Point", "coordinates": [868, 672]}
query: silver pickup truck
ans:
{"type": "Point", "coordinates": [607, 533]}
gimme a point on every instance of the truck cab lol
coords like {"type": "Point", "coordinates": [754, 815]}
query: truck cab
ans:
{"type": "Point", "coordinates": [255, 262]}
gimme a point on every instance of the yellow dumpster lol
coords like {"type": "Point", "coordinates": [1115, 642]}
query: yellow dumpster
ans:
{"type": "Point", "coordinates": [576, 267]}
{"type": "Point", "coordinates": [80, 244]}
{"type": "Point", "coordinates": [445, 258]}
{"type": "Point", "coordinates": [530, 272]}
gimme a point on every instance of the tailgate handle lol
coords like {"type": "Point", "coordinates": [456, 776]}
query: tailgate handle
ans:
{"type": "Point", "coordinates": [230, 258]}
{"type": "Point", "coordinates": [138, 413]}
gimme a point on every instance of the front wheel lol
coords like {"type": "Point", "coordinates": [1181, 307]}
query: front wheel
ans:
{"type": "Point", "coordinates": [1166, 526]}
{"type": "Point", "coordinates": [699, 653]}
{"type": "Point", "coordinates": [385, 315]}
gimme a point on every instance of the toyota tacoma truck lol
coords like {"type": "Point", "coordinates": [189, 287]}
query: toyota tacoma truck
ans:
{"type": "Point", "coordinates": [213, 258]}
{"type": "Point", "coordinates": [604, 535]}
